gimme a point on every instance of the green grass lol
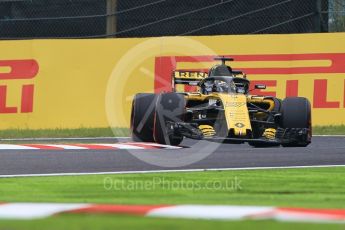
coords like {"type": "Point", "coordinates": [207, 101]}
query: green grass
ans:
{"type": "Point", "coordinates": [117, 132]}
{"type": "Point", "coordinates": [329, 130]}
{"type": "Point", "coordinates": [314, 187]}
{"type": "Point", "coordinates": [61, 133]}
{"type": "Point", "coordinates": [94, 222]}
{"type": "Point", "coordinates": [290, 187]}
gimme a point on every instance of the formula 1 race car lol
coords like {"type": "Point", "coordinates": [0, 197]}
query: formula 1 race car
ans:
{"type": "Point", "coordinates": [222, 109]}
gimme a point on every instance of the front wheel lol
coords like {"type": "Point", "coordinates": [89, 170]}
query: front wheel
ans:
{"type": "Point", "coordinates": [296, 120]}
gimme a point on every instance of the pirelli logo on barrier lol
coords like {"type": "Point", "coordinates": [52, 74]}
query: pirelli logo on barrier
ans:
{"type": "Point", "coordinates": [315, 76]}
{"type": "Point", "coordinates": [23, 71]}
{"type": "Point", "coordinates": [58, 84]}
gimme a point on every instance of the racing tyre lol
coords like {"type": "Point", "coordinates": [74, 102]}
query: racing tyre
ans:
{"type": "Point", "coordinates": [296, 115]}
{"type": "Point", "coordinates": [170, 108]}
{"type": "Point", "coordinates": [142, 117]}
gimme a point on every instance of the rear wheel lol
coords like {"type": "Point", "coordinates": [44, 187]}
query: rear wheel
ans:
{"type": "Point", "coordinates": [170, 108]}
{"type": "Point", "coordinates": [296, 115]}
{"type": "Point", "coordinates": [142, 117]}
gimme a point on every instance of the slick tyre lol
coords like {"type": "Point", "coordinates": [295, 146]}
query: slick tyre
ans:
{"type": "Point", "coordinates": [170, 108]}
{"type": "Point", "coordinates": [296, 113]}
{"type": "Point", "coordinates": [142, 117]}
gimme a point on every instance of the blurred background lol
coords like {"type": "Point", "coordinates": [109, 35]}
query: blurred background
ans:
{"type": "Point", "coordinates": [24, 19]}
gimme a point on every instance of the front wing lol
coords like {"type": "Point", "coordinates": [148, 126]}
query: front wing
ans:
{"type": "Point", "coordinates": [283, 136]}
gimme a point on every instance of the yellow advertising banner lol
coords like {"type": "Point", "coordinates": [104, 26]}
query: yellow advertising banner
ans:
{"type": "Point", "coordinates": [91, 82]}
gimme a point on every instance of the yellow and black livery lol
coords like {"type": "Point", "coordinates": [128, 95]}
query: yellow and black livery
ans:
{"type": "Point", "coordinates": [222, 109]}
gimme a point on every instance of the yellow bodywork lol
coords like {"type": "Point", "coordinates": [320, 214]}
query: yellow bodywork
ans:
{"type": "Point", "coordinates": [236, 113]}
{"type": "Point", "coordinates": [235, 110]}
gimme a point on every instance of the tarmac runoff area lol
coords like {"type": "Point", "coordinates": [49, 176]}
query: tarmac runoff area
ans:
{"type": "Point", "coordinates": [112, 156]}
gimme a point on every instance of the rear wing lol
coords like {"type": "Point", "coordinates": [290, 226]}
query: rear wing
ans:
{"type": "Point", "coordinates": [185, 77]}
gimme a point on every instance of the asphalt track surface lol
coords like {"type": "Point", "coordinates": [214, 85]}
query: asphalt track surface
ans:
{"type": "Point", "coordinates": [322, 151]}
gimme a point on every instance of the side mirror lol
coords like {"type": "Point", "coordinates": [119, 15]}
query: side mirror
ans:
{"type": "Point", "coordinates": [260, 86]}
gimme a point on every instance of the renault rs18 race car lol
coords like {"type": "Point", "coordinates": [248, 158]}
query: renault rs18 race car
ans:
{"type": "Point", "coordinates": [222, 109]}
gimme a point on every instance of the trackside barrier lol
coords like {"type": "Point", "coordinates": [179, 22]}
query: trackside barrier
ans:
{"type": "Point", "coordinates": [75, 83]}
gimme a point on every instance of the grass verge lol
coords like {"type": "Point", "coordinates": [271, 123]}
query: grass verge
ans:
{"type": "Point", "coordinates": [64, 133]}
{"type": "Point", "coordinates": [312, 187]}
{"type": "Point", "coordinates": [329, 130]}
{"type": "Point", "coordinates": [118, 132]}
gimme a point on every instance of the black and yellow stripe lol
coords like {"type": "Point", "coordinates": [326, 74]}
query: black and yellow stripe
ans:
{"type": "Point", "coordinates": [269, 133]}
{"type": "Point", "coordinates": [207, 130]}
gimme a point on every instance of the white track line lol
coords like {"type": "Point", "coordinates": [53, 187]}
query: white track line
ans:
{"type": "Point", "coordinates": [15, 147]}
{"type": "Point", "coordinates": [68, 147]}
{"type": "Point", "coordinates": [121, 146]}
{"type": "Point", "coordinates": [168, 171]}
{"type": "Point", "coordinates": [158, 145]}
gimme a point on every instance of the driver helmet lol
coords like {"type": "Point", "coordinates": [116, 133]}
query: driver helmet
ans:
{"type": "Point", "coordinates": [208, 87]}
{"type": "Point", "coordinates": [221, 86]}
